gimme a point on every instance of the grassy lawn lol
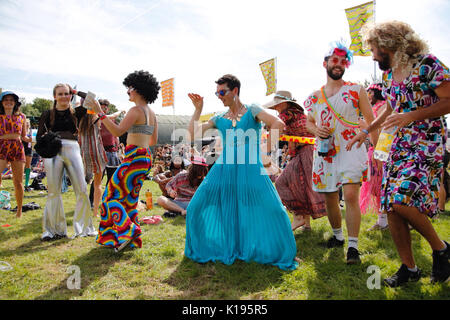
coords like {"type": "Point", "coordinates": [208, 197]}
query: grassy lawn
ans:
{"type": "Point", "coordinates": [41, 270]}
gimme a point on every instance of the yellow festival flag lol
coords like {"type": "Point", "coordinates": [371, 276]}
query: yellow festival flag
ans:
{"type": "Point", "coordinates": [357, 17]}
{"type": "Point", "coordinates": [167, 92]}
{"type": "Point", "coordinates": [269, 73]}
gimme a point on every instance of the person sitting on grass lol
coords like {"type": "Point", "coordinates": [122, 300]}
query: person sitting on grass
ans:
{"type": "Point", "coordinates": [164, 177]}
{"type": "Point", "coordinates": [183, 186]}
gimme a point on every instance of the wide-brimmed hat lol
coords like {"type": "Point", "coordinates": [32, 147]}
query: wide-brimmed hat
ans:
{"type": "Point", "coordinates": [10, 93]}
{"type": "Point", "coordinates": [280, 97]}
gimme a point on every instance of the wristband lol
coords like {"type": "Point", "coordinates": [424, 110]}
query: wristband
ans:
{"type": "Point", "coordinates": [365, 131]}
{"type": "Point", "coordinates": [268, 153]}
{"type": "Point", "coordinates": [102, 116]}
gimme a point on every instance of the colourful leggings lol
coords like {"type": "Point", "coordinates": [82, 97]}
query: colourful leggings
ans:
{"type": "Point", "coordinates": [119, 216]}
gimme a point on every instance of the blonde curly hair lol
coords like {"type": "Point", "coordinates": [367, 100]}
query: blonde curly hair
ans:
{"type": "Point", "coordinates": [397, 37]}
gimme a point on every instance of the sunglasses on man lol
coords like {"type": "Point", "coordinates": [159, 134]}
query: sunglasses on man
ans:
{"type": "Point", "coordinates": [343, 62]}
{"type": "Point", "coordinates": [222, 93]}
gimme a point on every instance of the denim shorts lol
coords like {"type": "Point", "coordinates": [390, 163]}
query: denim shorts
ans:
{"type": "Point", "coordinates": [181, 204]}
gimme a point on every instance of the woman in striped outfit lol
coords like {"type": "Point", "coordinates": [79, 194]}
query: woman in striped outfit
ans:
{"type": "Point", "coordinates": [93, 154]}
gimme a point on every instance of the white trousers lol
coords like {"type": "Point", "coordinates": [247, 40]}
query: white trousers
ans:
{"type": "Point", "coordinates": [54, 219]}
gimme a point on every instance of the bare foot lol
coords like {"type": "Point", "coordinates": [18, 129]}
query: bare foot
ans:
{"type": "Point", "coordinates": [297, 223]}
{"type": "Point", "coordinates": [19, 215]}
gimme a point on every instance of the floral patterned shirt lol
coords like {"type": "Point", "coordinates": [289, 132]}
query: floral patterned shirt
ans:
{"type": "Point", "coordinates": [413, 170]}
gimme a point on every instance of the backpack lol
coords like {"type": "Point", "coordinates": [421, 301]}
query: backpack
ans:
{"type": "Point", "coordinates": [37, 184]}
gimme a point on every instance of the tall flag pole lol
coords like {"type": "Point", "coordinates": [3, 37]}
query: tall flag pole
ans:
{"type": "Point", "coordinates": [168, 97]}
{"type": "Point", "coordinates": [269, 71]}
{"type": "Point", "coordinates": [374, 63]}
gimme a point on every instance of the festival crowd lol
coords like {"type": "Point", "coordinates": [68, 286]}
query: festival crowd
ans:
{"type": "Point", "coordinates": [235, 191]}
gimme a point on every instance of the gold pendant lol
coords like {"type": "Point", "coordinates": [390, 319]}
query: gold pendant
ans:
{"type": "Point", "coordinates": [233, 123]}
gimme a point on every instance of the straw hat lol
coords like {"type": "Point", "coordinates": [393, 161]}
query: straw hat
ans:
{"type": "Point", "coordinates": [280, 97]}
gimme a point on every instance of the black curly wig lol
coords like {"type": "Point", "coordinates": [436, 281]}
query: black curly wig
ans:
{"type": "Point", "coordinates": [144, 83]}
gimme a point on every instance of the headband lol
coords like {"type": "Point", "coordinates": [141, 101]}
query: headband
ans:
{"type": "Point", "coordinates": [283, 97]}
{"type": "Point", "coordinates": [375, 86]}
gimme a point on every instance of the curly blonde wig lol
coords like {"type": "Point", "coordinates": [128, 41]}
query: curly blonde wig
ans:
{"type": "Point", "coordinates": [397, 37]}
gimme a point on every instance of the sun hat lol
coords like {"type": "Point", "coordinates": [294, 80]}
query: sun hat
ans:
{"type": "Point", "coordinates": [280, 97]}
{"type": "Point", "coordinates": [9, 93]}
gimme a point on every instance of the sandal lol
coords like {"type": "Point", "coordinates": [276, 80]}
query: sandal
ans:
{"type": "Point", "coordinates": [376, 227]}
{"type": "Point", "coordinates": [124, 244]}
{"type": "Point", "coordinates": [297, 226]}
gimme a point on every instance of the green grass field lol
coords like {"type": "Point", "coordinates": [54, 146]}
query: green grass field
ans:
{"type": "Point", "coordinates": [159, 270]}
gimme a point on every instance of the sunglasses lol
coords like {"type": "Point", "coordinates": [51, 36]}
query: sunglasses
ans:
{"type": "Point", "coordinates": [222, 93]}
{"type": "Point", "coordinates": [343, 62]}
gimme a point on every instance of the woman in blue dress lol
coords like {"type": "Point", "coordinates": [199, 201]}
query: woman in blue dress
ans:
{"type": "Point", "coordinates": [236, 212]}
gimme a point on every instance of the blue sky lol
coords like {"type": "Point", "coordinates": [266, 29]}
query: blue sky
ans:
{"type": "Point", "coordinates": [95, 44]}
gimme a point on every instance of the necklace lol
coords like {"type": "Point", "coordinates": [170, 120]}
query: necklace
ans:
{"type": "Point", "coordinates": [236, 118]}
